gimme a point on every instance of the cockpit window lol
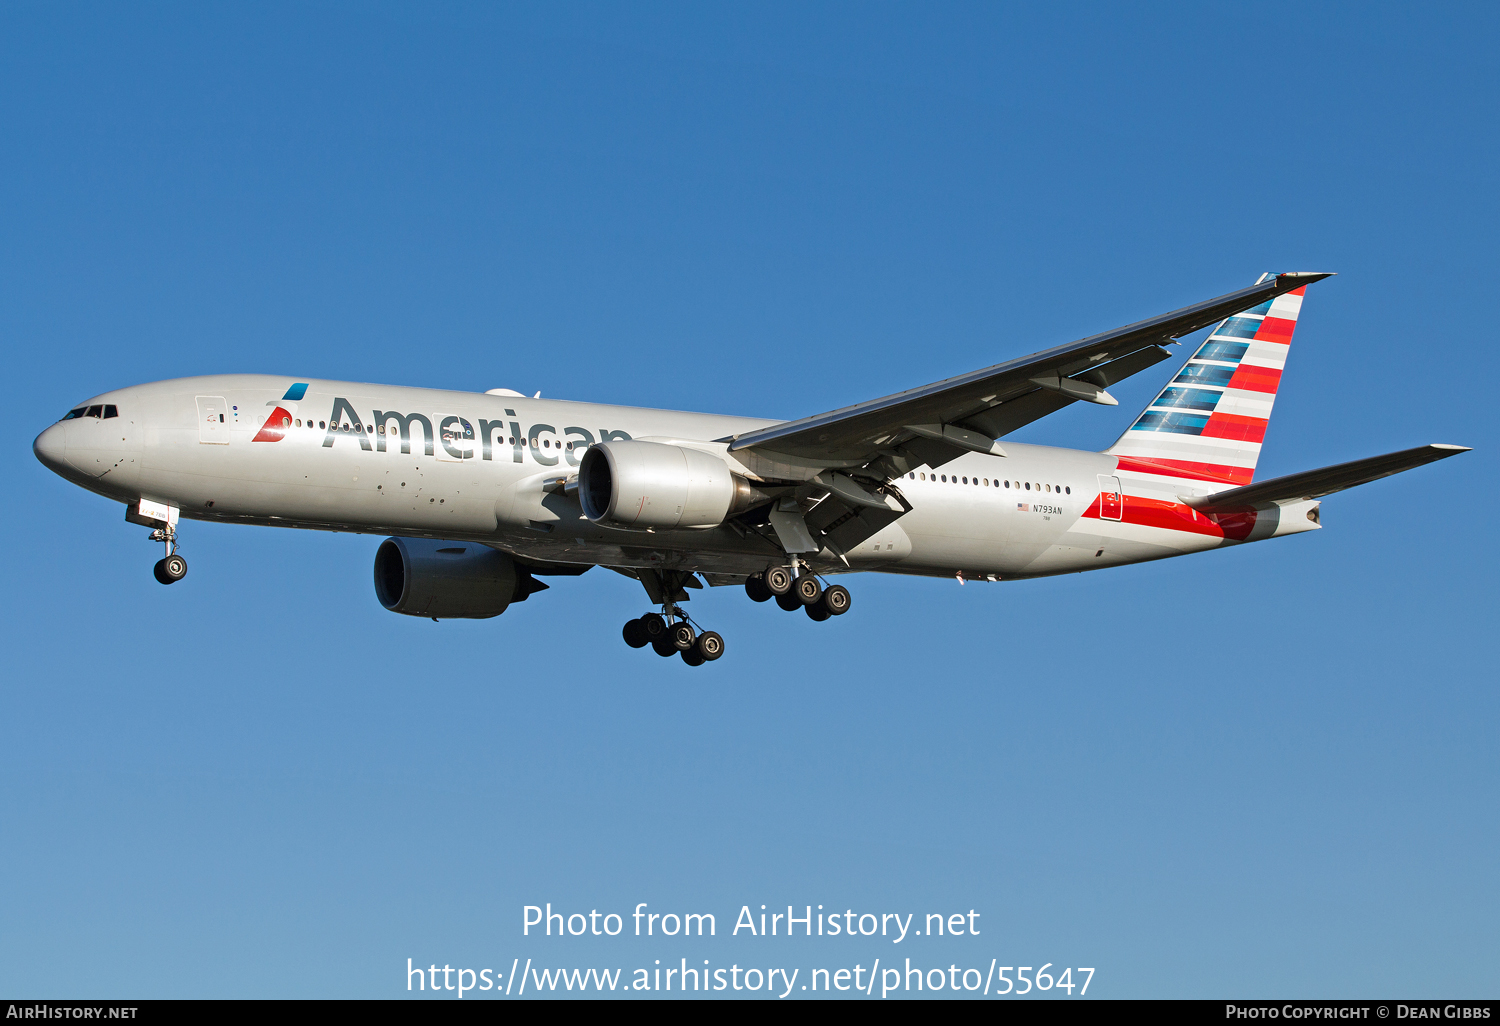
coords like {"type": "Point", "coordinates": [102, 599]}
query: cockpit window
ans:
{"type": "Point", "coordinates": [92, 411]}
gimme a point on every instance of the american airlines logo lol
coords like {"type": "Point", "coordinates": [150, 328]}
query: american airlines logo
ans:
{"type": "Point", "coordinates": [448, 437]}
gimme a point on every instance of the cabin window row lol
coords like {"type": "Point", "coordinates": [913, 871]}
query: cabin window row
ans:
{"type": "Point", "coordinates": [988, 483]}
{"type": "Point", "coordinates": [360, 429]}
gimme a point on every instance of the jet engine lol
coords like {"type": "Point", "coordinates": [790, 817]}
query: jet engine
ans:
{"type": "Point", "coordinates": [448, 580]}
{"type": "Point", "coordinates": [652, 484]}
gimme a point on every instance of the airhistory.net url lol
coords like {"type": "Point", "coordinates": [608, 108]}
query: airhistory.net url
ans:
{"type": "Point", "coordinates": [997, 980]}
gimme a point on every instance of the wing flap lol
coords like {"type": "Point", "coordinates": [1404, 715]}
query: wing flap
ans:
{"type": "Point", "coordinates": [1013, 414]}
{"type": "Point", "coordinates": [1124, 367]}
{"type": "Point", "coordinates": [841, 525]}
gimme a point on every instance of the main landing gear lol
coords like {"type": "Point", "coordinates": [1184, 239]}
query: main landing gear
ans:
{"type": "Point", "coordinates": [673, 634]}
{"type": "Point", "coordinates": [804, 591]}
{"type": "Point", "coordinates": [171, 568]}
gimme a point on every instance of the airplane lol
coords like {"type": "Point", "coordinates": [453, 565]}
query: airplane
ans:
{"type": "Point", "coordinates": [484, 493]}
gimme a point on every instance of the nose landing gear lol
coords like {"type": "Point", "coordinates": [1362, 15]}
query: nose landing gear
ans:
{"type": "Point", "coordinates": [171, 568]}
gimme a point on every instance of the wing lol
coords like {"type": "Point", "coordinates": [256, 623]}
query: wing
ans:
{"type": "Point", "coordinates": [1314, 484]}
{"type": "Point", "coordinates": [938, 422]}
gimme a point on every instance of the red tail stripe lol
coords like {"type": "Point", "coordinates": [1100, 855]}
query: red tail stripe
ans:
{"type": "Point", "coordinates": [1256, 379]}
{"type": "Point", "coordinates": [1236, 427]}
{"type": "Point", "coordinates": [1276, 329]}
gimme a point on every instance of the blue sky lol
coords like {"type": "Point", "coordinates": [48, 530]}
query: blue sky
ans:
{"type": "Point", "coordinates": [1269, 771]}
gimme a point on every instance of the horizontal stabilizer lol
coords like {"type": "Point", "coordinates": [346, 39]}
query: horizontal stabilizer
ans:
{"type": "Point", "coordinates": [1314, 484]}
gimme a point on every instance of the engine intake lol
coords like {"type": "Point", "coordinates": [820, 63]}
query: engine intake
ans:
{"type": "Point", "coordinates": [652, 484]}
{"type": "Point", "coordinates": [448, 580]}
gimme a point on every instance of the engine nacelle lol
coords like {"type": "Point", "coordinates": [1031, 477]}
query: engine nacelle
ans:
{"type": "Point", "coordinates": [652, 484]}
{"type": "Point", "coordinates": [447, 580]}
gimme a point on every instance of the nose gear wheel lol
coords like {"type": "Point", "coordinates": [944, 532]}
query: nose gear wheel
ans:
{"type": "Point", "coordinates": [171, 568]}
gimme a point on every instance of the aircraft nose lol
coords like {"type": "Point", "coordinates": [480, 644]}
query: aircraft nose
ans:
{"type": "Point", "coordinates": [49, 449]}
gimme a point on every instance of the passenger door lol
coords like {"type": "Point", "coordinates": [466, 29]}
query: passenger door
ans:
{"type": "Point", "coordinates": [455, 438]}
{"type": "Point", "coordinates": [1111, 499]}
{"type": "Point", "coordinates": [213, 426]}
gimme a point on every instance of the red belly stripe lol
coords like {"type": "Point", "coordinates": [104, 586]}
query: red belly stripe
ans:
{"type": "Point", "coordinates": [1188, 469]}
{"type": "Point", "coordinates": [1159, 513]}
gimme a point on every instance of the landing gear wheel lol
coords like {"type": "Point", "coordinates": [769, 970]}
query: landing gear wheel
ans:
{"type": "Point", "coordinates": [778, 580]}
{"type": "Point", "coordinates": [710, 646]}
{"type": "Point", "coordinates": [662, 646]}
{"type": "Point", "coordinates": [809, 591]}
{"type": "Point", "coordinates": [818, 611]}
{"type": "Point", "coordinates": [756, 588]}
{"type": "Point", "coordinates": [654, 625]}
{"type": "Point", "coordinates": [635, 634]}
{"type": "Point", "coordinates": [692, 657]}
{"type": "Point", "coordinates": [791, 603]}
{"type": "Point", "coordinates": [170, 570]}
{"type": "Point", "coordinates": [683, 637]}
{"type": "Point", "coordinates": [837, 599]}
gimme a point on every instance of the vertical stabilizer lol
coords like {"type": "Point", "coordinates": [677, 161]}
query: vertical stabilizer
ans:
{"type": "Point", "coordinates": [1208, 424]}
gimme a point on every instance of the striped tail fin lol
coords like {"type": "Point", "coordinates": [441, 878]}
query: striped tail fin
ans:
{"type": "Point", "coordinates": [1207, 425]}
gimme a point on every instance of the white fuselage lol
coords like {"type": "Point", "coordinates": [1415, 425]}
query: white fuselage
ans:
{"type": "Point", "coordinates": [192, 444]}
